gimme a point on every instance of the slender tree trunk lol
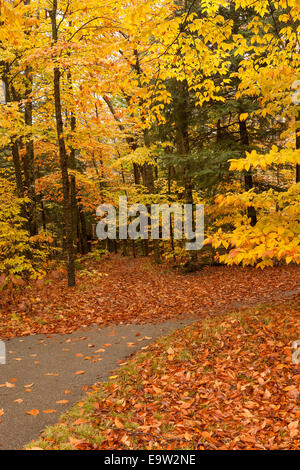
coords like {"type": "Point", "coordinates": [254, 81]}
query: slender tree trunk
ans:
{"type": "Point", "coordinates": [183, 148]}
{"type": "Point", "coordinates": [131, 141]}
{"type": "Point", "coordinates": [136, 173]}
{"type": "Point", "coordinates": [298, 147]}
{"type": "Point", "coordinates": [124, 248]}
{"type": "Point", "coordinates": [248, 179]}
{"type": "Point", "coordinates": [83, 231]}
{"type": "Point", "coordinates": [43, 215]}
{"type": "Point", "coordinates": [18, 169]}
{"type": "Point", "coordinates": [73, 181]}
{"type": "Point", "coordinates": [14, 145]}
{"type": "Point", "coordinates": [171, 225]}
{"type": "Point", "coordinates": [63, 160]}
{"type": "Point", "coordinates": [145, 247]}
{"type": "Point", "coordinates": [29, 171]}
{"type": "Point", "coordinates": [78, 218]}
{"type": "Point", "coordinates": [133, 248]}
{"type": "Point", "coordinates": [147, 174]}
{"type": "Point", "coordinates": [16, 156]}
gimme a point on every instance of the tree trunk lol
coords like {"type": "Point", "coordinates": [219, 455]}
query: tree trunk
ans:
{"type": "Point", "coordinates": [298, 147]}
{"type": "Point", "coordinates": [85, 245]}
{"type": "Point", "coordinates": [18, 169]}
{"type": "Point", "coordinates": [29, 172]}
{"type": "Point", "coordinates": [183, 148]}
{"type": "Point", "coordinates": [171, 225]}
{"type": "Point", "coordinates": [248, 180]}
{"type": "Point", "coordinates": [63, 161]}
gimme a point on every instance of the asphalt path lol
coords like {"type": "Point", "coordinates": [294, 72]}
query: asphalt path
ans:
{"type": "Point", "coordinates": [45, 375]}
{"type": "Point", "coordinates": [51, 373]}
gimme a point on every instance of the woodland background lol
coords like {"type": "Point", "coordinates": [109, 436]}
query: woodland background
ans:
{"type": "Point", "coordinates": [163, 101]}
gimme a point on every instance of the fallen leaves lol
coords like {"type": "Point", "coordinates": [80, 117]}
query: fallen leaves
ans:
{"type": "Point", "coordinates": [79, 372]}
{"type": "Point", "coordinates": [118, 423]}
{"type": "Point", "coordinates": [80, 421]}
{"type": "Point", "coordinates": [158, 296]}
{"type": "Point", "coordinates": [267, 395]}
{"type": "Point", "coordinates": [229, 384]}
{"type": "Point", "coordinates": [33, 412]}
{"type": "Point", "coordinates": [75, 442]}
{"type": "Point", "coordinates": [8, 385]}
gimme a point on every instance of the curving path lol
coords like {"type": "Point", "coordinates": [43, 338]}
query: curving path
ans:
{"type": "Point", "coordinates": [40, 369]}
{"type": "Point", "coordinates": [52, 372]}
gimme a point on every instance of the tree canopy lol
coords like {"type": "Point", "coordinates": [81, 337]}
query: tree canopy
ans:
{"type": "Point", "coordinates": [162, 101]}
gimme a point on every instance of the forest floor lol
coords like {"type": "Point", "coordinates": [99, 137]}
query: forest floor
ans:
{"type": "Point", "coordinates": [61, 341]}
{"type": "Point", "coordinates": [119, 290]}
{"type": "Point", "coordinates": [223, 383]}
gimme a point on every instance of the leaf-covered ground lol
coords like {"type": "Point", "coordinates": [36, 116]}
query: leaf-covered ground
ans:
{"type": "Point", "coordinates": [225, 383]}
{"type": "Point", "coordinates": [130, 290]}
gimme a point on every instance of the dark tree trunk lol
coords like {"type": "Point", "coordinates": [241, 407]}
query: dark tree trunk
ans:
{"type": "Point", "coordinates": [14, 146]}
{"type": "Point", "coordinates": [28, 160]}
{"type": "Point", "coordinates": [43, 215]}
{"type": "Point", "coordinates": [146, 168]}
{"type": "Point", "coordinates": [248, 179]}
{"type": "Point", "coordinates": [183, 148]}
{"type": "Point", "coordinates": [18, 169]}
{"type": "Point", "coordinates": [124, 248]}
{"type": "Point", "coordinates": [145, 247]}
{"type": "Point", "coordinates": [171, 225]}
{"type": "Point", "coordinates": [136, 173]}
{"type": "Point", "coordinates": [72, 178]}
{"type": "Point", "coordinates": [298, 147]}
{"type": "Point", "coordinates": [16, 156]}
{"type": "Point", "coordinates": [29, 172]}
{"type": "Point", "coordinates": [85, 246]}
{"type": "Point", "coordinates": [131, 141]}
{"type": "Point", "coordinates": [78, 218]}
{"type": "Point", "coordinates": [133, 248]}
{"type": "Point", "coordinates": [63, 161]}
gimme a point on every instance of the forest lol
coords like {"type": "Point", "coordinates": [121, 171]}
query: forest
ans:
{"type": "Point", "coordinates": [169, 101]}
{"type": "Point", "coordinates": [162, 102]}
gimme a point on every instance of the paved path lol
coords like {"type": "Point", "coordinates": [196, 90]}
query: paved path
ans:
{"type": "Point", "coordinates": [39, 369]}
